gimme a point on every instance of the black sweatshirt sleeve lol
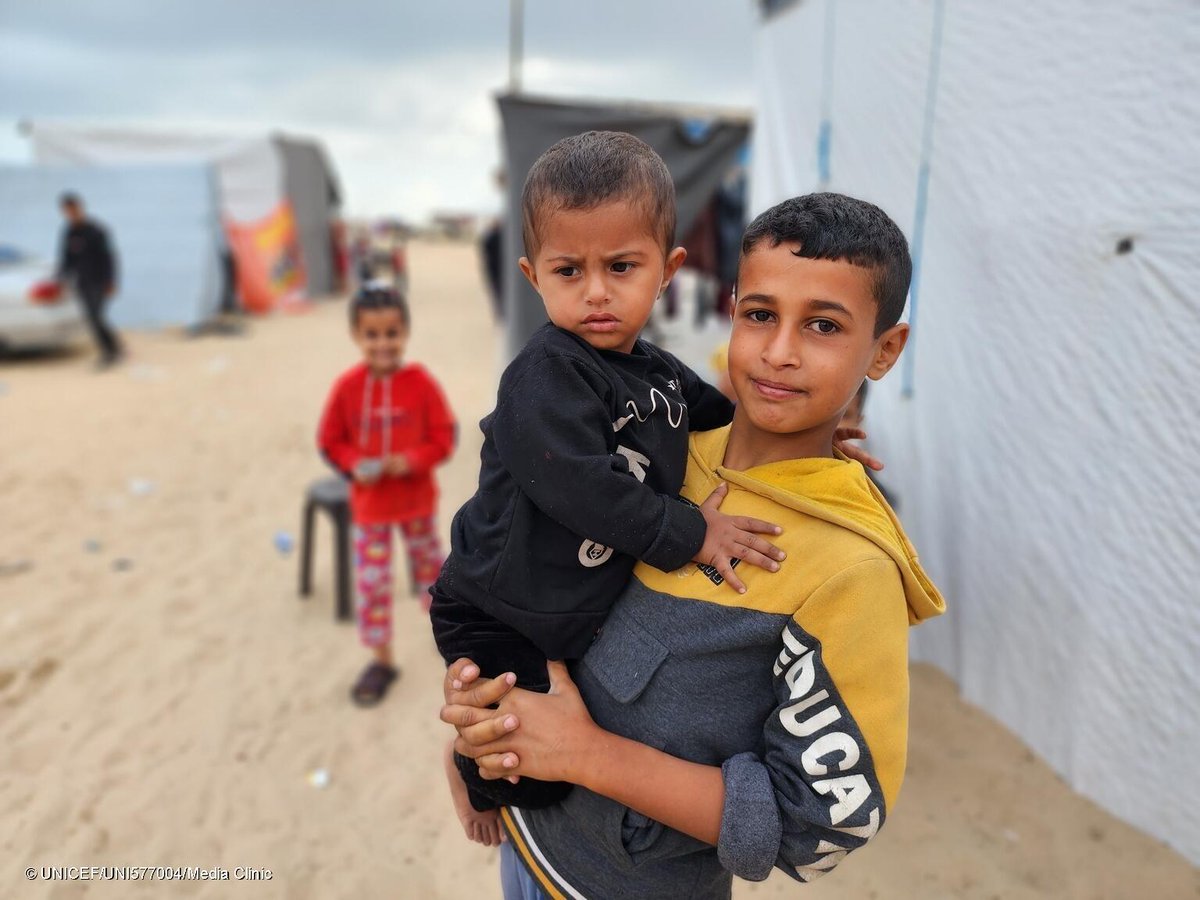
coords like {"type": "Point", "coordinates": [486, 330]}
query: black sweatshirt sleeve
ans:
{"type": "Point", "coordinates": [707, 407]}
{"type": "Point", "coordinates": [551, 430]}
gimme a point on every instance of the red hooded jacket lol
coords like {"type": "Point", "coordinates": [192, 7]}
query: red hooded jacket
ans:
{"type": "Point", "coordinates": [370, 417]}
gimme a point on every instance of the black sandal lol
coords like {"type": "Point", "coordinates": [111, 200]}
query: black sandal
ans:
{"type": "Point", "coordinates": [373, 683]}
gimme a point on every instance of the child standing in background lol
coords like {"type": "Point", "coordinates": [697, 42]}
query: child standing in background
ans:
{"type": "Point", "coordinates": [385, 426]}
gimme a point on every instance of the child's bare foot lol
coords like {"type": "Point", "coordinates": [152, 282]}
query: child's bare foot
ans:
{"type": "Point", "coordinates": [481, 827]}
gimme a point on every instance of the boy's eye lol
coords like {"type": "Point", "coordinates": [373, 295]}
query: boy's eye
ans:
{"type": "Point", "coordinates": [759, 315]}
{"type": "Point", "coordinates": [825, 326]}
{"type": "Point", "coordinates": [621, 267]}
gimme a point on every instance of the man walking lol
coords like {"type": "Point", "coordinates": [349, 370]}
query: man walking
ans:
{"type": "Point", "coordinates": [87, 259]}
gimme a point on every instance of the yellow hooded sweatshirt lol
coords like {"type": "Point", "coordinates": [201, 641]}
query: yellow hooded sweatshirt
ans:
{"type": "Point", "coordinates": [798, 689]}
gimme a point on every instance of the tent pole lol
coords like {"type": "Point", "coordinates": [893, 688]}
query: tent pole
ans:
{"type": "Point", "coordinates": [516, 36]}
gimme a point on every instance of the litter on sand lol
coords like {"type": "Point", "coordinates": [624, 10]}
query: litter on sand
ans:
{"type": "Point", "coordinates": [141, 487]}
{"type": "Point", "coordinates": [284, 542]}
{"type": "Point", "coordinates": [318, 778]}
{"type": "Point", "coordinates": [122, 564]}
{"type": "Point", "coordinates": [16, 567]}
{"type": "Point", "coordinates": [91, 545]}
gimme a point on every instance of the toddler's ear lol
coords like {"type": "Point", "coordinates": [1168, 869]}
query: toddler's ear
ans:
{"type": "Point", "coordinates": [890, 345]}
{"type": "Point", "coordinates": [529, 272]}
{"type": "Point", "coordinates": [674, 260]}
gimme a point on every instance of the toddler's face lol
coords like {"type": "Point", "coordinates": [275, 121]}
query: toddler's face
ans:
{"type": "Point", "coordinates": [382, 337]}
{"type": "Point", "coordinates": [599, 272]}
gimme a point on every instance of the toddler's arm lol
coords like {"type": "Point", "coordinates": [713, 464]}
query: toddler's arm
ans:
{"type": "Point", "coordinates": [335, 439]}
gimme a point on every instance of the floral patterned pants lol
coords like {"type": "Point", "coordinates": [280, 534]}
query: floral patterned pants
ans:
{"type": "Point", "coordinates": [373, 571]}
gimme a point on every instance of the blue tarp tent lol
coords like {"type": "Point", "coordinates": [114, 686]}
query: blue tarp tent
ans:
{"type": "Point", "coordinates": [162, 219]}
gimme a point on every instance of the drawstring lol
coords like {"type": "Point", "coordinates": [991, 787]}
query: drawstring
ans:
{"type": "Point", "coordinates": [364, 420]}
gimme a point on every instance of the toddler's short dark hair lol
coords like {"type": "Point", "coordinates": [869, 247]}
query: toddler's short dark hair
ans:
{"type": "Point", "coordinates": [372, 296]}
{"type": "Point", "coordinates": [586, 170]}
{"type": "Point", "coordinates": [837, 227]}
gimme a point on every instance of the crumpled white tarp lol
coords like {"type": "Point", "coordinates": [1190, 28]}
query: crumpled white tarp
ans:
{"type": "Point", "coordinates": [1047, 460]}
{"type": "Point", "coordinates": [250, 173]}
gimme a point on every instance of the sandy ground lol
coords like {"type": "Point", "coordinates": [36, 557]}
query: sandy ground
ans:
{"type": "Point", "coordinates": [164, 695]}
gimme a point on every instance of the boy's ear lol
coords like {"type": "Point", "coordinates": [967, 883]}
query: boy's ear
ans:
{"type": "Point", "coordinates": [529, 272]}
{"type": "Point", "coordinates": [889, 345]}
{"type": "Point", "coordinates": [674, 260]}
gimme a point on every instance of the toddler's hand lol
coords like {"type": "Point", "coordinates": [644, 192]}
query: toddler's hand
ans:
{"type": "Point", "coordinates": [735, 537]}
{"type": "Point", "coordinates": [396, 465]}
{"type": "Point", "coordinates": [841, 440]}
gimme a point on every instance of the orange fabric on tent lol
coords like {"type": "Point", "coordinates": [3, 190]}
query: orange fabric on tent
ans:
{"type": "Point", "coordinates": [270, 270]}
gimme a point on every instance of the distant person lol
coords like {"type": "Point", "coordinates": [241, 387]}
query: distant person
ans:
{"type": "Point", "coordinates": [386, 425]}
{"type": "Point", "coordinates": [86, 260]}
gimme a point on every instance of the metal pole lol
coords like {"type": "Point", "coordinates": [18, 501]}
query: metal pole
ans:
{"type": "Point", "coordinates": [516, 36]}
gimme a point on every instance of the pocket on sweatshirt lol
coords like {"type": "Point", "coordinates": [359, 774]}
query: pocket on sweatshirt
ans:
{"type": "Point", "coordinates": [625, 657]}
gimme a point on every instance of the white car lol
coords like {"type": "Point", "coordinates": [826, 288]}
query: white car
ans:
{"type": "Point", "coordinates": [27, 323]}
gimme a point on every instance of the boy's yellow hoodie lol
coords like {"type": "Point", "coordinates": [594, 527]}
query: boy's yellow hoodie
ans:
{"type": "Point", "coordinates": [798, 689]}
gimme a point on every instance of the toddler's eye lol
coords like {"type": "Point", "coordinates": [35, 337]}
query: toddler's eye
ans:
{"type": "Point", "coordinates": [622, 267]}
{"type": "Point", "coordinates": [567, 271]}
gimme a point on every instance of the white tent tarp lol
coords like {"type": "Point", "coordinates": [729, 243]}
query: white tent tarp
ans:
{"type": "Point", "coordinates": [1045, 458]}
{"type": "Point", "coordinates": [162, 221]}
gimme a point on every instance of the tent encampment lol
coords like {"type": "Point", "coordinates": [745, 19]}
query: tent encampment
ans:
{"type": "Point", "coordinates": [278, 197]}
{"type": "Point", "coordinates": [163, 221]}
{"type": "Point", "coordinates": [698, 145]}
{"type": "Point", "coordinates": [1044, 160]}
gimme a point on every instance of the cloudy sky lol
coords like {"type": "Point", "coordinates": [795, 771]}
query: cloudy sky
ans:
{"type": "Point", "coordinates": [400, 92]}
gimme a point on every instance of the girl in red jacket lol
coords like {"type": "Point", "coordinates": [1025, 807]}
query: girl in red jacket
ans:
{"type": "Point", "coordinates": [385, 426]}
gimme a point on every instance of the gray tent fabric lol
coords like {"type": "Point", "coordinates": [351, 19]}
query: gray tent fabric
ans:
{"type": "Point", "coordinates": [313, 193]}
{"type": "Point", "coordinates": [163, 220]}
{"type": "Point", "coordinates": [698, 146]}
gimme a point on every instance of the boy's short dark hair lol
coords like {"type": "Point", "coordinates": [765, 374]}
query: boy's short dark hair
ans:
{"type": "Point", "coordinates": [585, 170]}
{"type": "Point", "coordinates": [837, 227]}
{"type": "Point", "coordinates": [372, 296]}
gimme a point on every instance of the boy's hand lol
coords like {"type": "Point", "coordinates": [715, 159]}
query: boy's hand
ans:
{"type": "Point", "coordinates": [841, 440]}
{"type": "Point", "coordinates": [395, 465]}
{"type": "Point", "coordinates": [735, 537]}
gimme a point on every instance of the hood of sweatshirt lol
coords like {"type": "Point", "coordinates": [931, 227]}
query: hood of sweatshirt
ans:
{"type": "Point", "coordinates": [836, 490]}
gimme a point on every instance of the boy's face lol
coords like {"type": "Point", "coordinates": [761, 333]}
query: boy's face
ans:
{"type": "Point", "coordinates": [382, 336]}
{"type": "Point", "coordinates": [803, 339]}
{"type": "Point", "coordinates": [599, 272]}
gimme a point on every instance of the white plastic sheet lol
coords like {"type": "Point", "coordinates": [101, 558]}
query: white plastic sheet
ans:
{"type": "Point", "coordinates": [162, 221]}
{"type": "Point", "coordinates": [1046, 458]}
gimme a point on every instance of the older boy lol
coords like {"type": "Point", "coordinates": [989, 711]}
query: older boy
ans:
{"type": "Point", "coordinates": [725, 735]}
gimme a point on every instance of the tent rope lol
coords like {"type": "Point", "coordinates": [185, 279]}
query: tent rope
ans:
{"type": "Point", "coordinates": [918, 241]}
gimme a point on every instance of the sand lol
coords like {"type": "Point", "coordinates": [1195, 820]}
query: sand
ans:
{"type": "Point", "coordinates": [165, 696]}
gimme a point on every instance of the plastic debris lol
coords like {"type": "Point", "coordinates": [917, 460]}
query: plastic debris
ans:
{"type": "Point", "coordinates": [141, 487]}
{"type": "Point", "coordinates": [318, 778]}
{"type": "Point", "coordinates": [16, 567]}
{"type": "Point", "coordinates": [91, 545]}
{"type": "Point", "coordinates": [122, 564]}
{"type": "Point", "coordinates": [284, 542]}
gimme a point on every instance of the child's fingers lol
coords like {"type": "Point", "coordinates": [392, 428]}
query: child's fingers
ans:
{"type": "Point", "coordinates": [761, 545]}
{"type": "Point", "coordinates": [463, 716]}
{"type": "Point", "coordinates": [494, 766]}
{"type": "Point", "coordinates": [459, 673]}
{"type": "Point", "coordinates": [490, 729]}
{"type": "Point", "coordinates": [713, 501]}
{"type": "Point", "coordinates": [483, 693]}
{"type": "Point", "coordinates": [746, 523]}
{"type": "Point", "coordinates": [754, 558]}
{"type": "Point", "coordinates": [723, 565]}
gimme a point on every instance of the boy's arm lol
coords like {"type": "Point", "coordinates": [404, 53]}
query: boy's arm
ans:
{"type": "Point", "coordinates": [438, 440]}
{"type": "Point", "coordinates": [834, 745]}
{"type": "Point", "coordinates": [551, 430]}
{"type": "Point", "coordinates": [334, 437]}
